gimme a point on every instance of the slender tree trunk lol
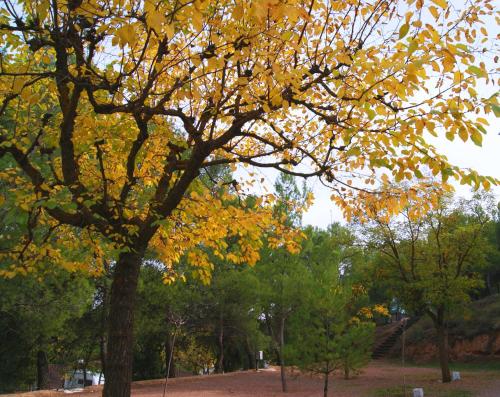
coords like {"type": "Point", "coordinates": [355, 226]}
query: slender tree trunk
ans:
{"type": "Point", "coordinates": [273, 338]}
{"type": "Point", "coordinates": [325, 386]}
{"type": "Point", "coordinates": [251, 355]}
{"type": "Point", "coordinates": [442, 336]}
{"type": "Point", "coordinates": [439, 319]}
{"type": "Point", "coordinates": [488, 283]}
{"type": "Point", "coordinates": [85, 363]}
{"type": "Point", "coordinates": [169, 358]}
{"type": "Point", "coordinates": [346, 371]}
{"type": "Point", "coordinates": [102, 355]}
{"type": "Point", "coordinates": [103, 322]}
{"type": "Point", "coordinates": [42, 370]}
{"type": "Point", "coordinates": [120, 331]}
{"type": "Point", "coordinates": [169, 362]}
{"type": "Point", "coordinates": [220, 363]}
{"type": "Point", "coordinates": [282, 359]}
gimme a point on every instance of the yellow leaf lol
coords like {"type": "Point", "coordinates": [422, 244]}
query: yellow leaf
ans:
{"type": "Point", "coordinates": [197, 20]}
{"type": "Point", "coordinates": [441, 3]}
{"type": "Point", "coordinates": [434, 11]}
{"type": "Point", "coordinates": [42, 9]}
{"type": "Point", "coordinates": [286, 35]}
{"type": "Point", "coordinates": [448, 63]}
{"type": "Point", "coordinates": [155, 19]}
{"type": "Point", "coordinates": [25, 95]}
{"type": "Point", "coordinates": [18, 85]}
{"type": "Point", "coordinates": [238, 12]}
{"type": "Point", "coordinates": [462, 133]}
{"type": "Point", "coordinates": [170, 30]}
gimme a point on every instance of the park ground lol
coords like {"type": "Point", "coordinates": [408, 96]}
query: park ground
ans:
{"type": "Point", "coordinates": [379, 379]}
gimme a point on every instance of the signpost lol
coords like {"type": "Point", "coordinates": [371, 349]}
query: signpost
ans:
{"type": "Point", "coordinates": [258, 357]}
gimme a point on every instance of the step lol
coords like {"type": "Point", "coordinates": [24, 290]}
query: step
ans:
{"type": "Point", "coordinates": [388, 343]}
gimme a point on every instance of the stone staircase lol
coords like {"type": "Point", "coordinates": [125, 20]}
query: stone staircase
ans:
{"type": "Point", "coordinates": [388, 335]}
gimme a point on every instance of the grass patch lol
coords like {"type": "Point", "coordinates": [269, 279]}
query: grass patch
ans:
{"type": "Point", "coordinates": [486, 365]}
{"type": "Point", "coordinates": [491, 365]}
{"type": "Point", "coordinates": [394, 392]}
{"type": "Point", "coordinates": [431, 392]}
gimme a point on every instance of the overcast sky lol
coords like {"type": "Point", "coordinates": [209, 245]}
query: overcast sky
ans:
{"type": "Point", "coordinates": [485, 160]}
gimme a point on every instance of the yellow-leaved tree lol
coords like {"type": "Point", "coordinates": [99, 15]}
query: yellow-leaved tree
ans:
{"type": "Point", "coordinates": [114, 112]}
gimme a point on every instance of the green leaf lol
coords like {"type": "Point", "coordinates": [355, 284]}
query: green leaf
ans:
{"type": "Point", "coordinates": [496, 109]}
{"type": "Point", "coordinates": [412, 47]}
{"type": "Point", "coordinates": [481, 128]}
{"type": "Point", "coordinates": [476, 71]}
{"type": "Point", "coordinates": [70, 206]}
{"type": "Point", "coordinates": [371, 113]}
{"type": "Point", "coordinates": [403, 31]}
{"type": "Point", "coordinates": [380, 162]}
{"type": "Point", "coordinates": [476, 137]}
{"type": "Point", "coordinates": [50, 204]}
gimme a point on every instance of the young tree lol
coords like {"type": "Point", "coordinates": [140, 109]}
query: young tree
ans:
{"type": "Point", "coordinates": [281, 274]}
{"type": "Point", "coordinates": [334, 330]}
{"type": "Point", "coordinates": [355, 344]}
{"type": "Point", "coordinates": [234, 293]}
{"type": "Point", "coordinates": [432, 262]}
{"type": "Point", "coordinates": [111, 110]}
{"type": "Point", "coordinates": [283, 279]}
{"type": "Point", "coordinates": [338, 333]}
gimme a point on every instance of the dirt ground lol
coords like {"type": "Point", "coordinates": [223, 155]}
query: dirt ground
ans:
{"type": "Point", "coordinates": [379, 379]}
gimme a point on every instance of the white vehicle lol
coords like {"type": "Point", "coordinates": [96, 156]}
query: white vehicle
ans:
{"type": "Point", "coordinates": [76, 379]}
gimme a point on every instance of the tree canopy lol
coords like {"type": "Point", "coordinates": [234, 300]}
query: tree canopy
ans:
{"type": "Point", "coordinates": [433, 263]}
{"type": "Point", "coordinates": [111, 111]}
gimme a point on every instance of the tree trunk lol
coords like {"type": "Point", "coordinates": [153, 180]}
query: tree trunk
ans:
{"type": "Point", "coordinates": [489, 287]}
{"type": "Point", "coordinates": [442, 336]}
{"type": "Point", "coordinates": [251, 355]}
{"type": "Point", "coordinates": [220, 362]}
{"type": "Point", "coordinates": [325, 386]}
{"type": "Point", "coordinates": [346, 371]}
{"type": "Point", "coordinates": [102, 355]}
{"type": "Point", "coordinates": [169, 358]}
{"type": "Point", "coordinates": [282, 359]}
{"type": "Point", "coordinates": [103, 321]}
{"type": "Point", "coordinates": [121, 320]}
{"type": "Point", "coordinates": [42, 370]}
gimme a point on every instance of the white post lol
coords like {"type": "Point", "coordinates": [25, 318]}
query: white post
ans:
{"type": "Point", "coordinates": [419, 392]}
